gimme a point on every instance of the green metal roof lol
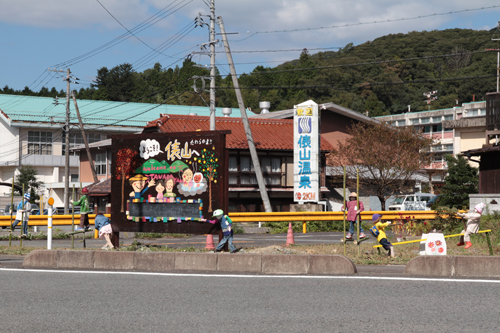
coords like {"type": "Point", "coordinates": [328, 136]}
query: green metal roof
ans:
{"type": "Point", "coordinates": [42, 109]}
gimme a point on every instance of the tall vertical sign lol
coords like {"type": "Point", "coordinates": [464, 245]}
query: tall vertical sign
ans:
{"type": "Point", "coordinates": [306, 152]}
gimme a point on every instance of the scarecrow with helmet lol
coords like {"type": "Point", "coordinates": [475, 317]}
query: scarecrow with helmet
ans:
{"type": "Point", "coordinates": [23, 213]}
{"type": "Point", "coordinates": [84, 210]}
{"type": "Point", "coordinates": [227, 230]}
{"type": "Point", "coordinates": [353, 212]}
{"type": "Point", "coordinates": [472, 226]}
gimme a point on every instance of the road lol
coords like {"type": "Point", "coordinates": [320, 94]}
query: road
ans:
{"type": "Point", "coordinates": [198, 241]}
{"type": "Point", "coordinates": [72, 301]}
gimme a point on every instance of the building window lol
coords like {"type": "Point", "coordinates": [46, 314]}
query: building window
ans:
{"type": "Point", "coordinates": [425, 120]}
{"type": "Point", "coordinates": [414, 121]}
{"type": "Point", "coordinates": [73, 178]}
{"type": "Point", "coordinates": [233, 170]}
{"type": "Point", "coordinates": [100, 164]}
{"type": "Point", "coordinates": [76, 139]}
{"type": "Point", "coordinates": [270, 166]}
{"type": "Point", "coordinates": [437, 159]}
{"type": "Point", "coordinates": [448, 117]}
{"type": "Point", "coordinates": [39, 143]}
{"type": "Point", "coordinates": [401, 123]}
{"type": "Point", "coordinates": [436, 178]}
{"type": "Point", "coordinates": [437, 128]}
{"type": "Point", "coordinates": [448, 147]}
{"type": "Point", "coordinates": [436, 119]}
{"type": "Point", "coordinates": [427, 129]}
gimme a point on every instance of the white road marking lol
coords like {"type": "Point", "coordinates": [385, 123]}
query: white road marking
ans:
{"type": "Point", "coordinates": [255, 276]}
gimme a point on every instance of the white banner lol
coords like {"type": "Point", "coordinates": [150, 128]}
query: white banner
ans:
{"type": "Point", "coordinates": [306, 152]}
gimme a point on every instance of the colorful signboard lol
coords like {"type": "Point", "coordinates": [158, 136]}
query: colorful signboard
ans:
{"type": "Point", "coordinates": [168, 182]}
{"type": "Point", "coordinates": [306, 152]}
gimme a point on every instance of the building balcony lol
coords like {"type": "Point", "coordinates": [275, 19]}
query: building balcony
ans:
{"type": "Point", "coordinates": [50, 160]}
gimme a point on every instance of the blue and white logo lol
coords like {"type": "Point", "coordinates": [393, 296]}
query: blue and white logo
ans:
{"type": "Point", "coordinates": [305, 125]}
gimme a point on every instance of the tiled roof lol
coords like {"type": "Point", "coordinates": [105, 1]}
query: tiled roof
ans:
{"type": "Point", "coordinates": [268, 134]}
{"type": "Point", "coordinates": [41, 109]}
{"type": "Point", "coordinates": [100, 188]}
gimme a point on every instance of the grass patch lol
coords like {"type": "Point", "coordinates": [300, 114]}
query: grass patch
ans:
{"type": "Point", "coordinates": [154, 235]}
{"type": "Point", "coordinates": [17, 250]}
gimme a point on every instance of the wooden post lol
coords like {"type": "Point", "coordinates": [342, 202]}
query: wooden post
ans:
{"type": "Point", "coordinates": [489, 243]}
{"type": "Point", "coordinates": [344, 205]}
{"type": "Point", "coordinates": [73, 220]}
{"type": "Point", "coordinates": [11, 210]}
{"type": "Point", "coordinates": [357, 202]}
{"type": "Point", "coordinates": [91, 161]}
{"type": "Point", "coordinates": [22, 219]}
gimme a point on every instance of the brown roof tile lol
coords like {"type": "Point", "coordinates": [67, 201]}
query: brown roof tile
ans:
{"type": "Point", "coordinates": [268, 134]}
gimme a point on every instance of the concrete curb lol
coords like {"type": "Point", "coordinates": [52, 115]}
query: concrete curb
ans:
{"type": "Point", "coordinates": [181, 261]}
{"type": "Point", "coordinates": [463, 266]}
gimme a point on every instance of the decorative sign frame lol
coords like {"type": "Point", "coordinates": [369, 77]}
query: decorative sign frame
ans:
{"type": "Point", "coordinates": [168, 182]}
{"type": "Point", "coordinates": [306, 152]}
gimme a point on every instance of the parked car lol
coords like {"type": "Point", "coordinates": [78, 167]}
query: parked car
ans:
{"type": "Point", "coordinates": [35, 210]}
{"type": "Point", "coordinates": [416, 201]}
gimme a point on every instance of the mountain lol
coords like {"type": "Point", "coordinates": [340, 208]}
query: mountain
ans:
{"type": "Point", "coordinates": [382, 76]}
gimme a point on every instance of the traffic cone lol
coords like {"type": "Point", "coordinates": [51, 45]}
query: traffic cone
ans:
{"type": "Point", "coordinates": [289, 236]}
{"type": "Point", "coordinates": [210, 242]}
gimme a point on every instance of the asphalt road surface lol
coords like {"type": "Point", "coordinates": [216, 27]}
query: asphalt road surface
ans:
{"type": "Point", "coordinates": [77, 301]}
{"type": "Point", "coordinates": [199, 241]}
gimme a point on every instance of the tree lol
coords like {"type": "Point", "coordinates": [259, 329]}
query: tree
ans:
{"type": "Point", "coordinates": [209, 164]}
{"type": "Point", "coordinates": [126, 163]}
{"type": "Point", "coordinates": [462, 180]}
{"type": "Point", "coordinates": [387, 157]}
{"type": "Point", "coordinates": [27, 177]}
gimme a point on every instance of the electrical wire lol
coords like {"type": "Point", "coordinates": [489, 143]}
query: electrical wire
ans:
{"type": "Point", "coordinates": [139, 28]}
{"type": "Point", "coordinates": [367, 23]}
{"type": "Point", "coordinates": [362, 86]}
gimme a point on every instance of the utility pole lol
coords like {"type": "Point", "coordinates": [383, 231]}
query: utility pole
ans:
{"type": "Point", "coordinates": [212, 42]}
{"type": "Point", "coordinates": [246, 124]}
{"type": "Point", "coordinates": [498, 56]}
{"type": "Point", "coordinates": [91, 161]}
{"type": "Point", "coordinates": [212, 65]}
{"type": "Point", "coordinates": [66, 133]}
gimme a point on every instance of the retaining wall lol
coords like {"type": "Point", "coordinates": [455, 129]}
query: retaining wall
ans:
{"type": "Point", "coordinates": [189, 262]}
{"type": "Point", "coordinates": [463, 266]}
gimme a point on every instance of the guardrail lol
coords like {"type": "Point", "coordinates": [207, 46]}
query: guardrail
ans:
{"type": "Point", "coordinates": [328, 216]}
{"type": "Point", "coordinates": [41, 220]}
{"type": "Point", "coordinates": [304, 217]}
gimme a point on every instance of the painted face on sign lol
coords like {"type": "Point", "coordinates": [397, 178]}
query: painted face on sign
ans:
{"type": "Point", "coordinates": [159, 187]}
{"type": "Point", "coordinates": [170, 185]}
{"type": "Point", "coordinates": [187, 176]}
{"type": "Point", "coordinates": [138, 185]}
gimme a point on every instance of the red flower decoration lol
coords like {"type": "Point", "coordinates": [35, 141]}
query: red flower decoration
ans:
{"type": "Point", "coordinates": [440, 250]}
{"type": "Point", "coordinates": [430, 244]}
{"type": "Point", "coordinates": [438, 243]}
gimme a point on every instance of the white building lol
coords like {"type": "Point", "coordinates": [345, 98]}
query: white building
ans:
{"type": "Point", "coordinates": [31, 133]}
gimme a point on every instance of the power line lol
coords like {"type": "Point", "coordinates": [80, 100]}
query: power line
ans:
{"type": "Point", "coordinates": [366, 85]}
{"type": "Point", "coordinates": [142, 26]}
{"type": "Point", "coordinates": [371, 22]}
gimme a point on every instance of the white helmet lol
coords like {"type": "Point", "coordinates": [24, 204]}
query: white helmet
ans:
{"type": "Point", "coordinates": [218, 213]}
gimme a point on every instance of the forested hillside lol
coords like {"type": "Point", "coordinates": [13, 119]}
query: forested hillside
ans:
{"type": "Point", "coordinates": [383, 76]}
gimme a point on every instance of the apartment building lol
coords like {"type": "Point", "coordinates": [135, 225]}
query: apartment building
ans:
{"type": "Point", "coordinates": [454, 130]}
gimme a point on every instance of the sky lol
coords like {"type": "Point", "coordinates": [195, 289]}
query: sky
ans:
{"type": "Point", "coordinates": [85, 36]}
